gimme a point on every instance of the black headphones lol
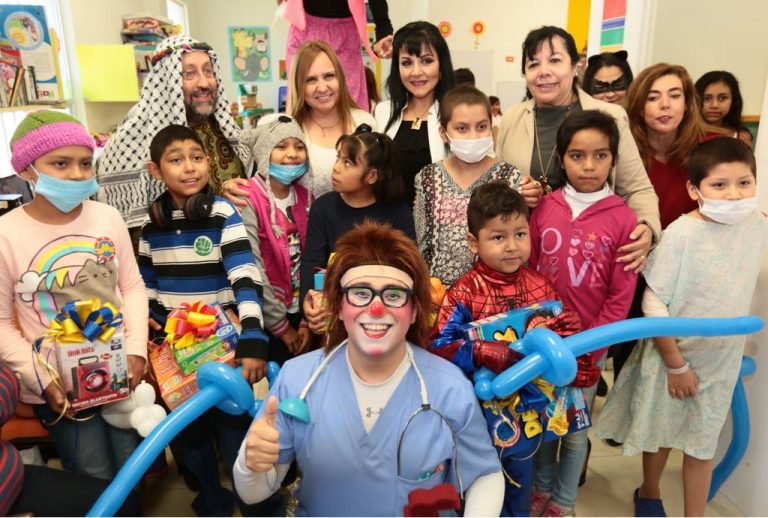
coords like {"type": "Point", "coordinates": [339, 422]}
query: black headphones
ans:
{"type": "Point", "coordinates": [197, 207]}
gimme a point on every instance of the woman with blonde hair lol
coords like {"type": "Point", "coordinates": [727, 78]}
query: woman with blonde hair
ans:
{"type": "Point", "coordinates": [320, 101]}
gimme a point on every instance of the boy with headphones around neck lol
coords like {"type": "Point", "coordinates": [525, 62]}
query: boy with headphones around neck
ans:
{"type": "Point", "coordinates": [194, 247]}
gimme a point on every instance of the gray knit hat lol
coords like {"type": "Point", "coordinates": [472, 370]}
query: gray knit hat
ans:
{"type": "Point", "coordinates": [261, 141]}
{"type": "Point", "coordinates": [268, 134]}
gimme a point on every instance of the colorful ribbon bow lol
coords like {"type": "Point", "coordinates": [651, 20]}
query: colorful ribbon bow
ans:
{"type": "Point", "coordinates": [87, 319]}
{"type": "Point", "coordinates": [191, 323]}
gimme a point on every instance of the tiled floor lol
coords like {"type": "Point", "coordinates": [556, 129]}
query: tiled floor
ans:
{"type": "Point", "coordinates": [611, 479]}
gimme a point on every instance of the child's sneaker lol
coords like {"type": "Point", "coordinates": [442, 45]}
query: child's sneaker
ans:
{"type": "Point", "coordinates": [539, 502]}
{"type": "Point", "coordinates": [555, 510]}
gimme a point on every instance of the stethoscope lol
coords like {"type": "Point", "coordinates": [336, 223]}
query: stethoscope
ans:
{"type": "Point", "coordinates": [297, 408]}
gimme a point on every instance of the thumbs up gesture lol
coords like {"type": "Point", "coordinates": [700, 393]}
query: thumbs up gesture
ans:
{"type": "Point", "coordinates": [262, 443]}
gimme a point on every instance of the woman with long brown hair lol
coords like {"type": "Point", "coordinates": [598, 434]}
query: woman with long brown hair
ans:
{"type": "Point", "coordinates": [666, 123]}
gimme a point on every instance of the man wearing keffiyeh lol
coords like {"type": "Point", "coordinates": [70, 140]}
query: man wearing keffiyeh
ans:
{"type": "Point", "coordinates": [181, 88]}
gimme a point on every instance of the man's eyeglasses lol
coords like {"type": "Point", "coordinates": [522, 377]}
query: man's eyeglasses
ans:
{"type": "Point", "coordinates": [362, 296]}
{"type": "Point", "coordinates": [602, 87]}
{"type": "Point", "coordinates": [191, 75]}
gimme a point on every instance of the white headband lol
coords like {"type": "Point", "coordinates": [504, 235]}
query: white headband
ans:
{"type": "Point", "coordinates": [376, 271]}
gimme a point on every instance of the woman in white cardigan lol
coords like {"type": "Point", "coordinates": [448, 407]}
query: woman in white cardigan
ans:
{"type": "Point", "coordinates": [421, 73]}
{"type": "Point", "coordinates": [527, 134]}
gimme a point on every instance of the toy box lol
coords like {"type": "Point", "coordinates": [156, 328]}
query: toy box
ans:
{"type": "Point", "coordinates": [511, 325]}
{"type": "Point", "coordinates": [175, 386]}
{"type": "Point", "coordinates": [221, 342]}
{"type": "Point", "coordinates": [93, 373]}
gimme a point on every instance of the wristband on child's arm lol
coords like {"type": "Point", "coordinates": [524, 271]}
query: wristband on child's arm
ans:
{"type": "Point", "coordinates": [680, 370]}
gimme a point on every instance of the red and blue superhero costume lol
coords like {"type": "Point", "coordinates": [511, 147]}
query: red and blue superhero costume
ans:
{"type": "Point", "coordinates": [484, 292]}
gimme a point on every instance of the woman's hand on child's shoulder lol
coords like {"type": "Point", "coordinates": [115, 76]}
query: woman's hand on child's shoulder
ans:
{"type": "Point", "coordinates": [234, 191]}
{"type": "Point", "coordinates": [531, 190]}
{"type": "Point", "coordinates": [636, 252]}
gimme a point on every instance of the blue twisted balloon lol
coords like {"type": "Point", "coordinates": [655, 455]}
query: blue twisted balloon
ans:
{"type": "Point", "coordinates": [221, 386]}
{"type": "Point", "coordinates": [554, 358]}
{"type": "Point", "coordinates": [546, 354]}
{"type": "Point", "coordinates": [740, 430]}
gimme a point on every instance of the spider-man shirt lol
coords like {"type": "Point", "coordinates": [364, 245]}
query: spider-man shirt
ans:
{"type": "Point", "coordinates": [486, 292]}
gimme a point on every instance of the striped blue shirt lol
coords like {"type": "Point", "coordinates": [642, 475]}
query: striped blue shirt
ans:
{"type": "Point", "coordinates": [209, 260]}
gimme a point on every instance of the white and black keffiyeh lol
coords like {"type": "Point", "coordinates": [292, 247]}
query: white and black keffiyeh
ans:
{"type": "Point", "coordinates": [125, 181]}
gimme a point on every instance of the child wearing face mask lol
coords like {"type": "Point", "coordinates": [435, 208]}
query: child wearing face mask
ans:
{"type": "Point", "coordinates": [575, 236]}
{"type": "Point", "coordinates": [366, 186]}
{"type": "Point", "coordinates": [276, 222]}
{"type": "Point", "coordinates": [58, 248]}
{"type": "Point", "coordinates": [443, 188]}
{"type": "Point", "coordinates": [676, 393]}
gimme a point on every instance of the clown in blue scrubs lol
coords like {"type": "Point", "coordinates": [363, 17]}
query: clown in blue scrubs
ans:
{"type": "Point", "coordinates": [385, 416]}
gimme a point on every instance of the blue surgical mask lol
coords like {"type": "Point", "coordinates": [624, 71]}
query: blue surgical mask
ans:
{"type": "Point", "coordinates": [287, 174]}
{"type": "Point", "coordinates": [65, 195]}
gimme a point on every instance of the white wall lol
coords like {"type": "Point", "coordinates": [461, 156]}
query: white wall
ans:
{"type": "Point", "coordinates": [705, 35]}
{"type": "Point", "coordinates": [746, 487]}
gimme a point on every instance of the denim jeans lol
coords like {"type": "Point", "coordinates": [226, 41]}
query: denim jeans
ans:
{"type": "Point", "coordinates": [91, 447]}
{"type": "Point", "coordinates": [560, 477]}
{"type": "Point", "coordinates": [197, 447]}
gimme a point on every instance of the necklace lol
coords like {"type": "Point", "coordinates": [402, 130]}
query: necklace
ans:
{"type": "Point", "coordinates": [545, 170]}
{"type": "Point", "coordinates": [416, 125]}
{"type": "Point", "coordinates": [323, 128]}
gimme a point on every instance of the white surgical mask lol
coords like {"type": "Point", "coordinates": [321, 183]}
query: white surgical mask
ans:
{"type": "Point", "coordinates": [471, 150]}
{"type": "Point", "coordinates": [727, 212]}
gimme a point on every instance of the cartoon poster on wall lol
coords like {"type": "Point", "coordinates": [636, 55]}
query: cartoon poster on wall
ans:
{"type": "Point", "coordinates": [25, 41]}
{"type": "Point", "coordinates": [249, 48]}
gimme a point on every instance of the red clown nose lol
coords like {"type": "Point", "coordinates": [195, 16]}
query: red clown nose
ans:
{"type": "Point", "coordinates": [376, 309]}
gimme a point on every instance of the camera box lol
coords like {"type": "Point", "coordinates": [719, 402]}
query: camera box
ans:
{"type": "Point", "coordinates": [511, 325]}
{"type": "Point", "coordinates": [94, 373]}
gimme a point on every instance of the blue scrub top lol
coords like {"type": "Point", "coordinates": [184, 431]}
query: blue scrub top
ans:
{"type": "Point", "coordinates": [346, 471]}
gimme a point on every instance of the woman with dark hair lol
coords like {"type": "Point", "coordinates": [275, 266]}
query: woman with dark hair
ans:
{"type": "Point", "coordinates": [527, 134]}
{"type": "Point", "coordinates": [421, 74]}
{"type": "Point", "coordinates": [385, 416]}
{"type": "Point", "coordinates": [608, 77]}
{"type": "Point", "coordinates": [721, 103]}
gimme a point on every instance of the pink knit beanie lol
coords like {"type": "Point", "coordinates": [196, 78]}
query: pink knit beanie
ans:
{"type": "Point", "coordinates": [43, 131]}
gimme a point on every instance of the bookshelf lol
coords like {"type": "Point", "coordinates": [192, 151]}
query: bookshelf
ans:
{"type": "Point", "coordinates": [31, 107]}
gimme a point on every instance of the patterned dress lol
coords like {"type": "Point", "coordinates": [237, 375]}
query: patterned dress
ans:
{"type": "Point", "coordinates": [700, 269]}
{"type": "Point", "coordinates": [440, 216]}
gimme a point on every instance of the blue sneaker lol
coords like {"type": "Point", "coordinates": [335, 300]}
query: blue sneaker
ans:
{"type": "Point", "coordinates": [648, 506]}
